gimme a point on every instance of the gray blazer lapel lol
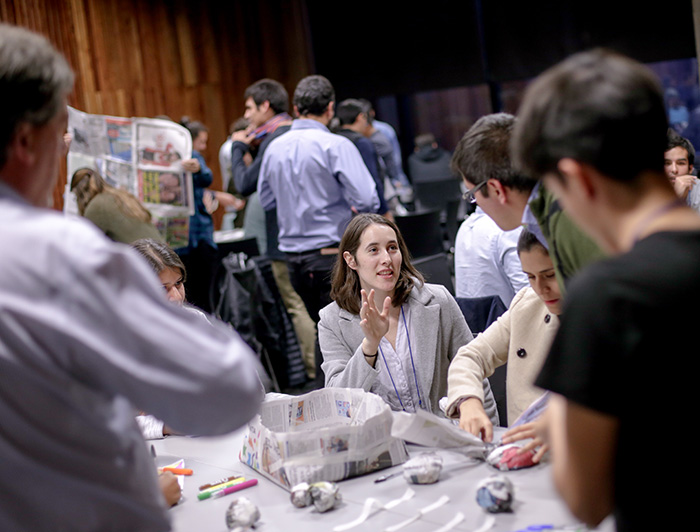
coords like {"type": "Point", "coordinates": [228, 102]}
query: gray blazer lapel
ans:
{"type": "Point", "coordinates": [350, 328]}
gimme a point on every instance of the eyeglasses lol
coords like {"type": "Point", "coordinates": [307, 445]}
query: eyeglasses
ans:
{"type": "Point", "coordinates": [470, 195]}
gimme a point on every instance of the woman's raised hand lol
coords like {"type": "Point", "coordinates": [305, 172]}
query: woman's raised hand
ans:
{"type": "Point", "coordinates": [374, 324]}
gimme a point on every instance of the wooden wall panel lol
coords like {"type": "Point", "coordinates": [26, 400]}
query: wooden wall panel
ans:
{"type": "Point", "coordinates": [171, 57]}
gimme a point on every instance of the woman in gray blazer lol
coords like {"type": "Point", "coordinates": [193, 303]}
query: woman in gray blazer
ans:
{"type": "Point", "coordinates": [387, 331]}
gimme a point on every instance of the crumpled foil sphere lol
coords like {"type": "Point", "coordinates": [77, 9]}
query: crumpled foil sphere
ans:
{"type": "Point", "coordinates": [325, 495]}
{"type": "Point", "coordinates": [495, 494]}
{"type": "Point", "coordinates": [423, 469]}
{"type": "Point", "coordinates": [301, 495]}
{"type": "Point", "coordinates": [242, 514]}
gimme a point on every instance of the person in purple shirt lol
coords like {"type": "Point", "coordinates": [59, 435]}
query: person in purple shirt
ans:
{"type": "Point", "coordinates": [353, 125]}
{"type": "Point", "coordinates": [316, 180]}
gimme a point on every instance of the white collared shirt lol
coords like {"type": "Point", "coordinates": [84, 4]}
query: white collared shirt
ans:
{"type": "Point", "coordinates": [397, 376]}
{"type": "Point", "coordinates": [86, 337]}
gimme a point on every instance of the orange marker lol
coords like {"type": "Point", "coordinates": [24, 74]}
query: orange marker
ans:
{"type": "Point", "coordinates": [177, 470]}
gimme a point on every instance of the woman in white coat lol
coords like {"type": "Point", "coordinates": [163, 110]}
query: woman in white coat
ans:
{"type": "Point", "coordinates": [521, 338]}
{"type": "Point", "coordinates": [387, 331]}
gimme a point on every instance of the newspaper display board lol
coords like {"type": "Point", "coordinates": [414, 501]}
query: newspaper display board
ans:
{"type": "Point", "coordinates": [329, 434]}
{"type": "Point", "coordinates": [142, 156]}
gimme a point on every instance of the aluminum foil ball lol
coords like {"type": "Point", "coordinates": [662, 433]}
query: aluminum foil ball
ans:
{"type": "Point", "coordinates": [325, 495]}
{"type": "Point", "coordinates": [495, 494]}
{"type": "Point", "coordinates": [242, 513]}
{"type": "Point", "coordinates": [423, 469]}
{"type": "Point", "coordinates": [301, 495]}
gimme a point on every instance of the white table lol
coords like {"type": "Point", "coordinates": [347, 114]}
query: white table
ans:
{"type": "Point", "coordinates": [536, 501]}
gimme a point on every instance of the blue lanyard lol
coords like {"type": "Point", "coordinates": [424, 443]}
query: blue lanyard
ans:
{"type": "Point", "coordinates": [413, 366]}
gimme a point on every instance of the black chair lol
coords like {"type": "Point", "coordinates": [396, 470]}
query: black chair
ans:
{"type": "Point", "coordinates": [451, 222]}
{"type": "Point", "coordinates": [480, 312]}
{"type": "Point", "coordinates": [436, 269]}
{"type": "Point", "coordinates": [436, 194]}
{"type": "Point", "coordinates": [422, 232]}
{"type": "Point", "coordinates": [445, 195]}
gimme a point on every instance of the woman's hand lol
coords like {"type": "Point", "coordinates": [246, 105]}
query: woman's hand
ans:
{"type": "Point", "coordinates": [534, 430]}
{"type": "Point", "coordinates": [473, 419]}
{"type": "Point", "coordinates": [374, 324]}
{"type": "Point", "coordinates": [191, 165]}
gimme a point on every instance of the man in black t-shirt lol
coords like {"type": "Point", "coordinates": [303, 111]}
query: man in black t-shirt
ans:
{"type": "Point", "coordinates": [624, 317]}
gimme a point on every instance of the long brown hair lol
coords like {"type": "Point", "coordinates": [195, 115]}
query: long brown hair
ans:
{"type": "Point", "coordinates": [87, 183]}
{"type": "Point", "coordinates": [159, 256]}
{"type": "Point", "coordinates": [345, 286]}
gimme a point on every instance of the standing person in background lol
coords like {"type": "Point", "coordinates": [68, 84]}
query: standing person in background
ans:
{"type": "Point", "coordinates": [87, 333]}
{"type": "Point", "coordinates": [389, 132]}
{"type": "Point", "coordinates": [232, 218]}
{"type": "Point", "coordinates": [315, 180]}
{"type": "Point", "coordinates": [353, 125]}
{"type": "Point", "coordinates": [266, 106]}
{"type": "Point", "coordinates": [201, 254]}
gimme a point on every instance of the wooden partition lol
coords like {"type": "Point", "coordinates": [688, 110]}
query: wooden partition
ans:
{"type": "Point", "coordinates": [171, 57]}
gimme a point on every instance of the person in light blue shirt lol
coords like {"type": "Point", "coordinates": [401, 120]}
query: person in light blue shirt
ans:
{"type": "Point", "coordinates": [316, 180]}
{"type": "Point", "coordinates": [388, 131]}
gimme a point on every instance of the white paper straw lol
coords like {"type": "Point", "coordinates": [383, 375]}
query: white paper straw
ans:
{"type": "Point", "coordinates": [371, 506]}
{"type": "Point", "coordinates": [440, 502]}
{"type": "Point", "coordinates": [457, 519]}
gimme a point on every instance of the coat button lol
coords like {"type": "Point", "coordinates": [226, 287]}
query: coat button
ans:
{"type": "Point", "coordinates": [521, 353]}
{"type": "Point", "coordinates": [547, 318]}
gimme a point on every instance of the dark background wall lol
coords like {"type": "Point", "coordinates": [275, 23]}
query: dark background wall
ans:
{"type": "Point", "coordinates": [176, 57]}
{"type": "Point", "coordinates": [402, 55]}
{"type": "Point", "coordinates": [384, 48]}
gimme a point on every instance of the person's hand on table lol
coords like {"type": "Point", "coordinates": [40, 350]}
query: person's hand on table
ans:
{"type": "Point", "coordinates": [169, 487]}
{"type": "Point", "coordinates": [536, 430]}
{"type": "Point", "coordinates": [473, 419]}
{"type": "Point", "coordinates": [167, 431]}
{"type": "Point", "coordinates": [375, 323]}
{"type": "Point", "coordinates": [191, 165]}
